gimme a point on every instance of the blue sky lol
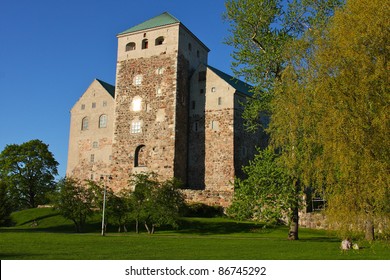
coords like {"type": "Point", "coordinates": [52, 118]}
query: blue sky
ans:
{"type": "Point", "coordinates": [50, 52]}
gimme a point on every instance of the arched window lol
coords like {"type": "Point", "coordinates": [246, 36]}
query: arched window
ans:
{"type": "Point", "coordinates": [145, 44]}
{"type": "Point", "coordinates": [159, 40]}
{"type": "Point", "coordinates": [130, 46]}
{"type": "Point", "coordinates": [84, 123]}
{"type": "Point", "coordinates": [103, 121]}
{"type": "Point", "coordinates": [140, 156]}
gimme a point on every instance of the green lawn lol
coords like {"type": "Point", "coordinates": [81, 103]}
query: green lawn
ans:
{"type": "Point", "coordinates": [196, 239]}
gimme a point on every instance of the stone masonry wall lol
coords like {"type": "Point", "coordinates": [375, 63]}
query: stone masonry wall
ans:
{"type": "Point", "coordinates": [157, 92]}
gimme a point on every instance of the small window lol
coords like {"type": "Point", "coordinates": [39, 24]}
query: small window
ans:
{"type": "Point", "coordinates": [159, 91]}
{"type": "Point", "coordinates": [213, 89]}
{"type": "Point", "coordinates": [135, 127]}
{"type": "Point", "coordinates": [136, 105]}
{"type": "Point", "coordinates": [145, 44]}
{"type": "Point", "coordinates": [159, 41]}
{"type": "Point", "coordinates": [195, 127]}
{"type": "Point", "coordinates": [193, 105]}
{"type": "Point", "coordinates": [130, 46]}
{"type": "Point", "coordinates": [160, 70]}
{"type": "Point", "coordinates": [215, 125]}
{"type": "Point", "coordinates": [82, 106]}
{"type": "Point", "coordinates": [93, 105]}
{"type": "Point", "coordinates": [84, 123]}
{"type": "Point", "coordinates": [103, 121]}
{"type": "Point", "coordinates": [219, 100]}
{"type": "Point", "coordinates": [201, 91]}
{"type": "Point", "coordinates": [138, 80]}
{"type": "Point", "coordinates": [95, 144]}
{"type": "Point", "coordinates": [104, 103]}
{"type": "Point", "coordinates": [92, 158]}
{"type": "Point", "coordinates": [189, 46]}
{"type": "Point", "coordinates": [197, 54]}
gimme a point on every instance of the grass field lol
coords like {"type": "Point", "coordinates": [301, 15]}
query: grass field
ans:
{"type": "Point", "coordinates": [195, 239]}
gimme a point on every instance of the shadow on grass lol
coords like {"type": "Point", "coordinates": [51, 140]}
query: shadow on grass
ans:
{"type": "Point", "coordinates": [204, 227]}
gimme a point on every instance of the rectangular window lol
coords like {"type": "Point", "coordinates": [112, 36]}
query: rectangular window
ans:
{"type": "Point", "coordinates": [93, 105]}
{"type": "Point", "coordinates": [193, 105]}
{"type": "Point", "coordinates": [104, 103]}
{"type": "Point", "coordinates": [135, 127]}
{"type": "Point", "coordinates": [92, 158]}
{"type": "Point", "coordinates": [82, 106]}
{"type": "Point", "coordinates": [95, 144]}
{"type": "Point", "coordinates": [219, 100]}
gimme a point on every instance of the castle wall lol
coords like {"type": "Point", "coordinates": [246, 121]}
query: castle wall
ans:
{"type": "Point", "coordinates": [156, 117]}
{"type": "Point", "coordinates": [90, 148]}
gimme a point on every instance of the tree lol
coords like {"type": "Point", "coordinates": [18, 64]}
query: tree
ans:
{"type": "Point", "coordinates": [5, 204]}
{"type": "Point", "coordinates": [141, 199]}
{"type": "Point", "coordinates": [29, 170]}
{"type": "Point", "coordinates": [348, 78]}
{"type": "Point", "coordinates": [266, 35]}
{"type": "Point", "coordinates": [155, 203]}
{"type": "Point", "coordinates": [261, 32]}
{"type": "Point", "coordinates": [267, 194]}
{"type": "Point", "coordinates": [74, 201]}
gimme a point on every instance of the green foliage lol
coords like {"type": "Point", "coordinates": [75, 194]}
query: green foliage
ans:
{"type": "Point", "coordinates": [203, 210]}
{"type": "Point", "coordinates": [261, 31]}
{"type": "Point", "coordinates": [330, 115]}
{"type": "Point", "coordinates": [28, 170]}
{"type": "Point", "coordinates": [155, 203]}
{"type": "Point", "coordinates": [74, 201]}
{"type": "Point", "coordinates": [267, 194]}
{"type": "Point", "coordinates": [5, 204]}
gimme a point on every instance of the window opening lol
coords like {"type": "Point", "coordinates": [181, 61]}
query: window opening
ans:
{"type": "Point", "coordinates": [103, 121]}
{"type": "Point", "coordinates": [130, 46]}
{"type": "Point", "coordinates": [159, 41]}
{"type": "Point", "coordinates": [135, 127]}
{"type": "Point", "coordinates": [145, 43]}
{"type": "Point", "coordinates": [140, 156]}
{"type": "Point", "coordinates": [138, 80]}
{"type": "Point", "coordinates": [84, 123]}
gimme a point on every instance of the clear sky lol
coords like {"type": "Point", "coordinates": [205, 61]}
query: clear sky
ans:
{"type": "Point", "coordinates": [52, 50]}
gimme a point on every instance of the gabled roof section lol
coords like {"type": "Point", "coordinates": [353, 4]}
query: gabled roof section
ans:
{"type": "Point", "coordinates": [236, 83]}
{"type": "Point", "coordinates": [109, 88]}
{"type": "Point", "coordinates": [160, 20]}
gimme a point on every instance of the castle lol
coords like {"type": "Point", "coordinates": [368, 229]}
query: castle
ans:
{"type": "Point", "coordinates": [170, 113]}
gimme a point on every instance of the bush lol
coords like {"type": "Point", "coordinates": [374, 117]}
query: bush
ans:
{"type": "Point", "coordinates": [202, 210]}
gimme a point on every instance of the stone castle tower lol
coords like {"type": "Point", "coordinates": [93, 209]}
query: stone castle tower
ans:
{"type": "Point", "coordinates": [170, 113]}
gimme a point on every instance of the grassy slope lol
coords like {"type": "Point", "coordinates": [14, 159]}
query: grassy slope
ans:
{"type": "Point", "coordinates": [197, 238]}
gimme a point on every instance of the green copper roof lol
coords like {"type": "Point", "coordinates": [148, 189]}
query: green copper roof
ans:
{"type": "Point", "coordinates": [237, 84]}
{"type": "Point", "coordinates": [161, 20]}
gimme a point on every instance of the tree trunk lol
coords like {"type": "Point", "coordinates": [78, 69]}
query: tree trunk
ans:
{"type": "Point", "coordinates": [147, 228]}
{"type": "Point", "coordinates": [136, 226]}
{"type": "Point", "coordinates": [294, 225]}
{"type": "Point", "coordinates": [369, 232]}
